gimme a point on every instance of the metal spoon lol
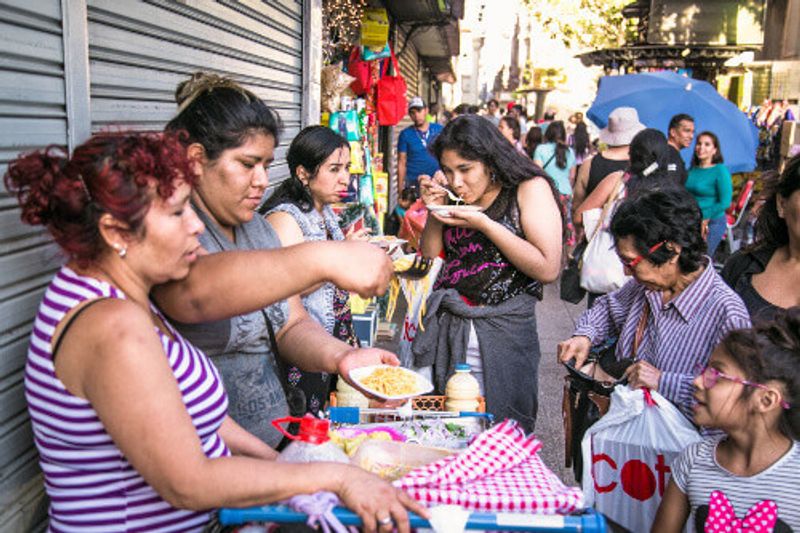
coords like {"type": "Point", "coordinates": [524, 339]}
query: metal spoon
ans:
{"type": "Point", "coordinates": [450, 194]}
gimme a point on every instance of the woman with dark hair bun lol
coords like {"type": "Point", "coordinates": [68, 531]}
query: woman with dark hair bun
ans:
{"type": "Point", "coordinates": [533, 139]}
{"type": "Point", "coordinates": [300, 210]}
{"type": "Point", "coordinates": [232, 136]}
{"type": "Point", "coordinates": [710, 183]}
{"type": "Point", "coordinates": [765, 274]}
{"type": "Point", "coordinates": [499, 249]}
{"type": "Point", "coordinates": [676, 308]}
{"type": "Point", "coordinates": [131, 419]}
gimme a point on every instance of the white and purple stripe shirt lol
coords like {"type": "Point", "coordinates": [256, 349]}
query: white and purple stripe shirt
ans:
{"type": "Point", "coordinates": [679, 336]}
{"type": "Point", "coordinates": [91, 485]}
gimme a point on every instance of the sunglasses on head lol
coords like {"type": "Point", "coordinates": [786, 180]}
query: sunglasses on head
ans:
{"type": "Point", "coordinates": [711, 376]}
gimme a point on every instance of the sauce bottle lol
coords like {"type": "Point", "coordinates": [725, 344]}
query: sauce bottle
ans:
{"type": "Point", "coordinates": [462, 390]}
{"type": "Point", "coordinates": [311, 444]}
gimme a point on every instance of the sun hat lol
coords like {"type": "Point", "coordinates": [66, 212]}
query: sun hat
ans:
{"type": "Point", "coordinates": [416, 103]}
{"type": "Point", "coordinates": [623, 125]}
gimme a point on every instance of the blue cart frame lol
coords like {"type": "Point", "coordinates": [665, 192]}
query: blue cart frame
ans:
{"type": "Point", "coordinates": [588, 522]}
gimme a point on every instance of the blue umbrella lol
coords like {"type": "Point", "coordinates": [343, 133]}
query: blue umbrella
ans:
{"type": "Point", "coordinates": [658, 96]}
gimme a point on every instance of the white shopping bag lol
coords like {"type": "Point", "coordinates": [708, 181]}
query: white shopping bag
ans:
{"type": "Point", "coordinates": [416, 293]}
{"type": "Point", "coordinates": [601, 270]}
{"type": "Point", "coordinates": [627, 456]}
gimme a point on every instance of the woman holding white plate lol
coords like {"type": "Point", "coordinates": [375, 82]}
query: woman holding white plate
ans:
{"type": "Point", "coordinates": [499, 249]}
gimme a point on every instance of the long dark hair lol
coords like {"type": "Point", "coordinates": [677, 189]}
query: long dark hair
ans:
{"type": "Point", "coordinates": [580, 139]}
{"type": "Point", "coordinates": [770, 351]}
{"type": "Point", "coordinates": [771, 229]}
{"type": "Point", "coordinates": [556, 133]}
{"type": "Point", "coordinates": [717, 159]}
{"type": "Point", "coordinates": [312, 146]}
{"type": "Point", "coordinates": [219, 114]}
{"type": "Point", "coordinates": [532, 140]}
{"type": "Point", "coordinates": [475, 138]}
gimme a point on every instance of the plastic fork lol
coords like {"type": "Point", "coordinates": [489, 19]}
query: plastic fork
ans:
{"type": "Point", "coordinates": [419, 268]}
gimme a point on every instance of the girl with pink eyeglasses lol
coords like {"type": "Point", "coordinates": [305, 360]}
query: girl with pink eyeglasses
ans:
{"type": "Point", "coordinates": [748, 479]}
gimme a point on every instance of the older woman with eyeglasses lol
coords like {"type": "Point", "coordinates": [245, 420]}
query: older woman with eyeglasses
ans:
{"type": "Point", "coordinates": [674, 311]}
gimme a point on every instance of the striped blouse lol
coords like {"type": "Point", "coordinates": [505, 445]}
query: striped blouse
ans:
{"type": "Point", "coordinates": [679, 336]}
{"type": "Point", "coordinates": [91, 485]}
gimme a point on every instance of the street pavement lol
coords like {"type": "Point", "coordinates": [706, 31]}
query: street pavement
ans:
{"type": "Point", "coordinates": [556, 320]}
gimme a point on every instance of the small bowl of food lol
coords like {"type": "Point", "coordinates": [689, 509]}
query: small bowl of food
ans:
{"type": "Point", "coordinates": [390, 382]}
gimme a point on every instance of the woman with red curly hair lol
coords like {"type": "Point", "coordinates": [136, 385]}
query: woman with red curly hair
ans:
{"type": "Point", "coordinates": [130, 419]}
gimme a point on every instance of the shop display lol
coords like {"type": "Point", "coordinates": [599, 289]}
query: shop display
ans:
{"type": "Point", "coordinates": [333, 81]}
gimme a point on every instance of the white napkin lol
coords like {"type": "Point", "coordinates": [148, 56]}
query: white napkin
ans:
{"type": "Point", "coordinates": [448, 518]}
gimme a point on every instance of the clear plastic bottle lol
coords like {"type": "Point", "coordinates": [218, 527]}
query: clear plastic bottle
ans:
{"type": "Point", "coordinates": [311, 444]}
{"type": "Point", "coordinates": [462, 390]}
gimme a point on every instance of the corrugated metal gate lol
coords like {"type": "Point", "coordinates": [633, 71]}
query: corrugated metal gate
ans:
{"type": "Point", "coordinates": [138, 51]}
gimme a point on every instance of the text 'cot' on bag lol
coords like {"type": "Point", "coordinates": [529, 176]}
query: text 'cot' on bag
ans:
{"type": "Point", "coordinates": [628, 455]}
{"type": "Point", "coordinates": [391, 95]}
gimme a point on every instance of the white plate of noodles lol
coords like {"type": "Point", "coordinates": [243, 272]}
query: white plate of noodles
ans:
{"type": "Point", "coordinates": [390, 382]}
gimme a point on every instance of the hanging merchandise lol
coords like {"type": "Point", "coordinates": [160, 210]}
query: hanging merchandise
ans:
{"type": "Point", "coordinates": [374, 27]}
{"type": "Point", "coordinates": [362, 72]}
{"type": "Point", "coordinates": [365, 196]}
{"type": "Point", "coordinates": [356, 158]}
{"type": "Point", "coordinates": [333, 81]}
{"type": "Point", "coordinates": [371, 53]}
{"type": "Point", "coordinates": [345, 123]}
{"type": "Point", "coordinates": [391, 95]}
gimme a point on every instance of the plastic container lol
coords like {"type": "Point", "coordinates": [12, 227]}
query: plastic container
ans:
{"type": "Point", "coordinates": [392, 460]}
{"type": "Point", "coordinates": [311, 444]}
{"type": "Point", "coordinates": [348, 396]}
{"type": "Point", "coordinates": [462, 391]}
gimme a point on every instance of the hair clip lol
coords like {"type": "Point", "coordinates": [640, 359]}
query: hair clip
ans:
{"type": "Point", "coordinates": [85, 188]}
{"type": "Point", "coordinates": [650, 169]}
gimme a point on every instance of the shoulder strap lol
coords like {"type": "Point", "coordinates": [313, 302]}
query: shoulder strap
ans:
{"type": "Point", "coordinates": [609, 203]}
{"type": "Point", "coordinates": [640, 327]}
{"type": "Point", "coordinates": [549, 160]}
{"type": "Point", "coordinates": [83, 306]}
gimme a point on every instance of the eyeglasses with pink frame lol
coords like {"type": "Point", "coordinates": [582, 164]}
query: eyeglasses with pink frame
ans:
{"type": "Point", "coordinates": [711, 375]}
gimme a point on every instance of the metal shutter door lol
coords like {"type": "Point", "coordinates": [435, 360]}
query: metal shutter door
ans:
{"type": "Point", "coordinates": [32, 114]}
{"type": "Point", "coordinates": [140, 50]}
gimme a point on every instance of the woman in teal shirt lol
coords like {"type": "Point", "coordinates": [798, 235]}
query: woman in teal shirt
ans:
{"type": "Point", "coordinates": [710, 183]}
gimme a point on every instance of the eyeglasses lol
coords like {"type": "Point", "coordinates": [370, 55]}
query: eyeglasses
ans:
{"type": "Point", "coordinates": [639, 258]}
{"type": "Point", "coordinates": [711, 375]}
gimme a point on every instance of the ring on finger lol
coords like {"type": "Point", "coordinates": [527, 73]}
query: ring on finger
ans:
{"type": "Point", "coordinates": [385, 521]}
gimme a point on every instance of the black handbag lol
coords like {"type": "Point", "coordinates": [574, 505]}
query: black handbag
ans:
{"type": "Point", "coordinates": [587, 392]}
{"type": "Point", "coordinates": [571, 290]}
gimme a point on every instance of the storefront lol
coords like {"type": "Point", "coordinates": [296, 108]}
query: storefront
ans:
{"type": "Point", "coordinates": [72, 67]}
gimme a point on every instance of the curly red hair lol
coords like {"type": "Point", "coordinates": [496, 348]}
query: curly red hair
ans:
{"type": "Point", "coordinates": [116, 173]}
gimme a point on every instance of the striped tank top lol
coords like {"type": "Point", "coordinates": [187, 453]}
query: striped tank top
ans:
{"type": "Point", "coordinates": [91, 485]}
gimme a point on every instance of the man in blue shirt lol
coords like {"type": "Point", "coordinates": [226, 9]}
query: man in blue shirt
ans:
{"type": "Point", "coordinates": [413, 155]}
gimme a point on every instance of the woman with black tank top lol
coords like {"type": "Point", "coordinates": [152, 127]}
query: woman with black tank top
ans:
{"type": "Point", "coordinates": [496, 259]}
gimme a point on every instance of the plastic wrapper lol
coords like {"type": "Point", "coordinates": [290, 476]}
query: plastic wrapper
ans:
{"type": "Point", "coordinates": [333, 81]}
{"type": "Point", "coordinates": [627, 456]}
{"type": "Point", "coordinates": [392, 460]}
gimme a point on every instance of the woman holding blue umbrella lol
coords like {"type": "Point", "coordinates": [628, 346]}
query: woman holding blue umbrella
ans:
{"type": "Point", "coordinates": [710, 183]}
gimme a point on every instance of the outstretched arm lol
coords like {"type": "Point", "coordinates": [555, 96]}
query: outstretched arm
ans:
{"type": "Point", "coordinates": [227, 284]}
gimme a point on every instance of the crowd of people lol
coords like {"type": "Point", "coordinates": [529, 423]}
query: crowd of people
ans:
{"type": "Point", "coordinates": [190, 313]}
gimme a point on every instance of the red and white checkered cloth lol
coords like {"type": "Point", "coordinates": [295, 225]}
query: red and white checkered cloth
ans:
{"type": "Point", "coordinates": [500, 471]}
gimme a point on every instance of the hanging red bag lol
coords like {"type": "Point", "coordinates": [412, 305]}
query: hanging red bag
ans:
{"type": "Point", "coordinates": [362, 72]}
{"type": "Point", "coordinates": [391, 95]}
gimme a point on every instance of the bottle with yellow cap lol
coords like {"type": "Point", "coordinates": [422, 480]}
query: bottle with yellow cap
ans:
{"type": "Point", "coordinates": [462, 390]}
